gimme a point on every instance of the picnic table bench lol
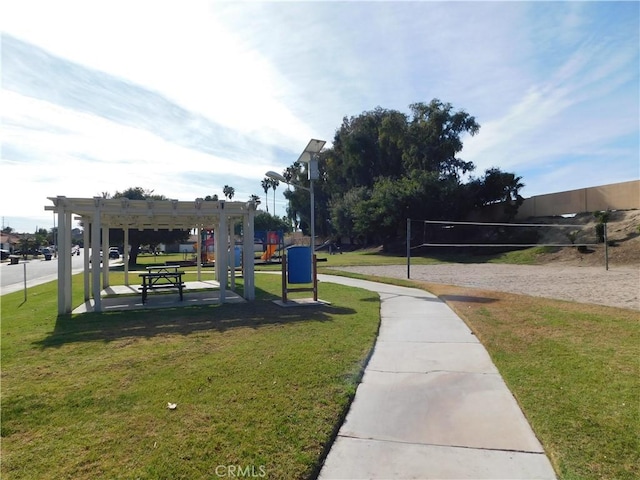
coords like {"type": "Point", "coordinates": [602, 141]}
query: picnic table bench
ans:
{"type": "Point", "coordinates": [165, 276]}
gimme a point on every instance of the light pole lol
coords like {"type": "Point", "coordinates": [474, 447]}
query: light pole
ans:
{"type": "Point", "coordinates": [309, 156]}
{"type": "Point", "coordinates": [280, 178]}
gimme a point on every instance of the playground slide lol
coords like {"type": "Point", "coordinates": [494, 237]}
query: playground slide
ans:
{"type": "Point", "coordinates": [271, 249]}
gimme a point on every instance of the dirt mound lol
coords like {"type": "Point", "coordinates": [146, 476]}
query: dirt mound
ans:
{"type": "Point", "coordinates": [622, 232]}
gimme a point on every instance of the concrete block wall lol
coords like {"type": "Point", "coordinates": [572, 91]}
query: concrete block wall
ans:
{"type": "Point", "coordinates": [615, 196]}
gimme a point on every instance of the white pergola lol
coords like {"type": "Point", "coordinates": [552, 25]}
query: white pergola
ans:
{"type": "Point", "coordinates": [99, 213]}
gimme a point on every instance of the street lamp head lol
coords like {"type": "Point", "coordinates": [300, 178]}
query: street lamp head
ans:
{"type": "Point", "coordinates": [276, 176]}
{"type": "Point", "coordinates": [280, 178]}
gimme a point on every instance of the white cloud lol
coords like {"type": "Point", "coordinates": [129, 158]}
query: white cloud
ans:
{"type": "Point", "coordinates": [77, 154]}
{"type": "Point", "coordinates": [552, 84]}
{"type": "Point", "coordinates": [185, 53]}
{"type": "Point", "coordinates": [574, 110]}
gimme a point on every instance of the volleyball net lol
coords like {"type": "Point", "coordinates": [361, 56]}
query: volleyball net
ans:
{"type": "Point", "coordinates": [460, 237]}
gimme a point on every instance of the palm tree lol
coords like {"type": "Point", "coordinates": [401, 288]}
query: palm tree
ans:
{"type": "Point", "coordinates": [255, 198]}
{"type": "Point", "coordinates": [228, 192]}
{"type": "Point", "coordinates": [274, 184]}
{"type": "Point", "coordinates": [266, 185]}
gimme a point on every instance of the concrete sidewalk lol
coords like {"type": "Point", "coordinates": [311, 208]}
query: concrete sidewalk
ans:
{"type": "Point", "coordinates": [431, 404]}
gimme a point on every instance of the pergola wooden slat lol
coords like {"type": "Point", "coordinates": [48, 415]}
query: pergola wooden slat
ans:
{"type": "Point", "coordinates": [99, 213]}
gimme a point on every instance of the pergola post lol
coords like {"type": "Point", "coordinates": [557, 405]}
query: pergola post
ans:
{"type": "Point", "coordinates": [222, 247]}
{"type": "Point", "coordinates": [105, 256]}
{"type": "Point", "coordinates": [232, 257]}
{"type": "Point", "coordinates": [85, 256]}
{"type": "Point", "coordinates": [247, 253]}
{"type": "Point", "coordinates": [125, 255]}
{"type": "Point", "coordinates": [66, 255]}
{"type": "Point", "coordinates": [63, 253]}
{"type": "Point", "coordinates": [199, 252]}
{"type": "Point", "coordinates": [95, 257]}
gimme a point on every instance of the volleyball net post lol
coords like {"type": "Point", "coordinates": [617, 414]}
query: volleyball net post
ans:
{"type": "Point", "coordinates": [408, 248]}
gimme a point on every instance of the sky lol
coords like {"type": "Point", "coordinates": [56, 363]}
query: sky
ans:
{"type": "Point", "coordinates": [183, 98]}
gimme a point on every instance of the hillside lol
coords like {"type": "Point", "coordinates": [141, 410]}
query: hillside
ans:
{"type": "Point", "coordinates": [622, 230]}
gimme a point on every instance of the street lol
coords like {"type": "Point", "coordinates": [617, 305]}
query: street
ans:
{"type": "Point", "coordinates": [38, 271]}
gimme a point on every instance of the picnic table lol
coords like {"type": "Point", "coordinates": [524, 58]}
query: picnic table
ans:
{"type": "Point", "coordinates": [161, 277]}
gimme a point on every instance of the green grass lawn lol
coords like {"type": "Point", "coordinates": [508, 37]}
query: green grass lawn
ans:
{"type": "Point", "coordinates": [256, 386]}
{"type": "Point", "coordinates": [374, 257]}
{"type": "Point", "coordinates": [574, 369]}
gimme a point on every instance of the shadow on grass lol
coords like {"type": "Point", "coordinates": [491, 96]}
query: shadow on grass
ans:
{"type": "Point", "coordinates": [467, 299]}
{"type": "Point", "coordinates": [107, 327]}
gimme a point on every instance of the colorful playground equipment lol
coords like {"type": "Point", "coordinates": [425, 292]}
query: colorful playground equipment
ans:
{"type": "Point", "coordinates": [208, 246]}
{"type": "Point", "coordinates": [271, 241]}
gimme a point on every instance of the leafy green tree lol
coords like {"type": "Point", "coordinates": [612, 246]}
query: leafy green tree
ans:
{"type": "Point", "coordinates": [148, 236]}
{"type": "Point", "coordinates": [496, 186]}
{"type": "Point", "coordinates": [434, 139]}
{"type": "Point", "coordinates": [384, 166]}
{"type": "Point", "coordinates": [52, 235]}
{"type": "Point", "coordinates": [364, 148]}
{"type": "Point", "coordinates": [344, 212]}
{"type": "Point", "coordinates": [264, 221]}
{"type": "Point", "coordinates": [27, 245]}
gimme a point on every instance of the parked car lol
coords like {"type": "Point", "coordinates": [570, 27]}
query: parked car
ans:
{"type": "Point", "coordinates": [4, 254]}
{"type": "Point", "coordinates": [113, 252]}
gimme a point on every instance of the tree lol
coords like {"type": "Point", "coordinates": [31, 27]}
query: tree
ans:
{"type": "Point", "coordinates": [274, 184]}
{"type": "Point", "coordinates": [148, 236]}
{"type": "Point", "coordinates": [434, 139]}
{"type": "Point", "coordinates": [255, 198]}
{"type": "Point", "coordinates": [299, 206]}
{"type": "Point", "coordinates": [211, 198]}
{"type": "Point", "coordinates": [602, 217]}
{"type": "Point", "coordinates": [264, 221]}
{"type": "Point", "coordinates": [291, 173]}
{"type": "Point", "coordinates": [344, 211]}
{"type": "Point", "coordinates": [228, 192]}
{"type": "Point", "coordinates": [51, 235]}
{"type": "Point", "coordinates": [266, 185]}
{"type": "Point", "coordinates": [41, 237]}
{"type": "Point", "coordinates": [385, 165]}
{"type": "Point", "coordinates": [496, 186]}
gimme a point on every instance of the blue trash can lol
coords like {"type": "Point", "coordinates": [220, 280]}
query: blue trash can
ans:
{"type": "Point", "coordinates": [237, 257]}
{"type": "Point", "coordinates": [299, 264]}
